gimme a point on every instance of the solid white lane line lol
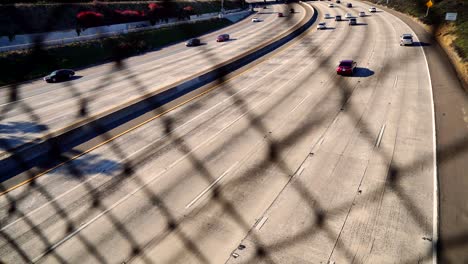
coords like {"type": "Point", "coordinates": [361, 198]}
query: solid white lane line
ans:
{"type": "Point", "coordinates": [211, 186]}
{"type": "Point", "coordinates": [379, 138]}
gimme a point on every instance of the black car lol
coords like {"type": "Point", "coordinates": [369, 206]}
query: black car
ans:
{"type": "Point", "coordinates": [59, 75]}
{"type": "Point", "coordinates": [352, 21]}
{"type": "Point", "coordinates": [338, 18]}
{"type": "Point", "coordinates": [291, 10]}
{"type": "Point", "coordinates": [349, 5]}
{"type": "Point", "coordinates": [193, 42]}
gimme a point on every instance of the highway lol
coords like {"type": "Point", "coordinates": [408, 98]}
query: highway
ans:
{"type": "Point", "coordinates": [282, 162]}
{"type": "Point", "coordinates": [50, 107]}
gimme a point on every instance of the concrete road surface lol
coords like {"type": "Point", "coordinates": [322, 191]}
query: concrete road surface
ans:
{"type": "Point", "coordinates": [47, 107]}
{"type": "Point", "coordinates": [286, 162]}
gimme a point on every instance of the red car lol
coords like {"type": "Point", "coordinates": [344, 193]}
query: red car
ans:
{"type": "Point", "coordinates": [346, 67]}
{"type": "Point", "coordinates": [222, 38]}
{"type": "Point", "coordinates": [280, 14]}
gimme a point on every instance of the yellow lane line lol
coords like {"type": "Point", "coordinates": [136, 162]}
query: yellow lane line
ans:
{"type": "Point", "coordinates": [283, 49]}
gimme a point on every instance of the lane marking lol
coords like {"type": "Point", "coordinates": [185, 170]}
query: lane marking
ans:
{"type": "Point", "coordinates": [262, 60]}
{"type": "Point", "coordinates": [435, 214]}
{"type": "Point", "coordinates": [261, 223]}
{"type": "Point", "coordinates": [379, 138]}
{"type": "Point", "coordinates": [210, 186]}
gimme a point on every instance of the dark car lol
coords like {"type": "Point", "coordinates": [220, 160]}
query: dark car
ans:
{"type": "Point", "coordinates": [352, 21]}
{"type": "Point", "coordinates": [193, 42]}
{"type": "Point", "coordinates": [59, 75]}
{"type": "Point", "coordinates": [338, 18]}
{"type": "Point", "coordinates": [280, 14]}
{"type": "Point", "coordinates": [222, 38]}
{"type": "Point", "coordinates": [338, 1]}
{"type": "Point", "coordinates": [349, 5]}
{"type": "Point", "coordinates": [291, 10]}
{"type": "Point", "coordinates": [346, 67]}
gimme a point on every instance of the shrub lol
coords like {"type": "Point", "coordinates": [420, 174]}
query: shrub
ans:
{"type": "Point", "coordinates": [88, 19]}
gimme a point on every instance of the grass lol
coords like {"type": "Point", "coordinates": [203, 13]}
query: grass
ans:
{"type": "Point", "coordinates": [27, 65]}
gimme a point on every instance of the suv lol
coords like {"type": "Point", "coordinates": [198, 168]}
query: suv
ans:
{"type": "Point", "coordinates": [406, 39]}
{"type": "Point", "coordinates": [352, 21]}
{"type": "Point", "coordinates": [349, 5]}
{"type": "Point", "coordinates": [337, 18]}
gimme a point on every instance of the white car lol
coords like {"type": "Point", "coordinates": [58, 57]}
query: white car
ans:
{"type": "Point", "coordinates": [406, 39]}
{"type": "Point", "coordinates": [256, 19]}
{"type": "Point", "coordinates": [362, 14]}
{"type": "Point", "coordinates": [348, 15]}
{"type": "Point", "coordinates": [322, 25]}
{"type": "Point", "coordinates": [372, 9]}
{"type": "Point", "coordinates": [331, 5]}
{"type": "Point", "coordinates": [327, 16]}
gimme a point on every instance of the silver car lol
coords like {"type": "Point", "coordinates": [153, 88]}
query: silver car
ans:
{"type": "Point", "coordinates": [406, 39]}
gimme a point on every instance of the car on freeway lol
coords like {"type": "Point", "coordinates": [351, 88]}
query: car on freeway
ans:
{"type": "Point", "coordinates": [346, 67]}
{"type": "Point", "coordinates": [193, 42]}
{"type": "Point", "coordinates": [331, 5]}
{"type": "Point", "coordinates": [352, 21]}
{"type": "Point", "coordinates": [406, 39]}
{"type": "Point", "coordinates": [327, 16]}
{"type": "Point", "coordinates": [322, 25]}
{"type": "Point", "coordinates": [338, 1]}
{"type": "Point", "coordinates": [338, 18]}
{"type": "Point", "coordinates": [280, 14]}
{"type": "Point", "coordinates": [348, 15]}
{"type": "Point", "coordinates": [222, 38]}
{"type": "Point", "coordinates": [362, 14]}
{"type": "Point", "coordinates": [291, 10]}
{"type": "Point", "coordinates": [256, 19]}
{"type": "Point", "coordinates": [349, 5]}
{"type": "Point", "coordinates": [59, 75]}
{"type": "Point", "coordinates": [372, 9]}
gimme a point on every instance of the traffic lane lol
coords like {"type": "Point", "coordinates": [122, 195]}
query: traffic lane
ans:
{"type": "Point", "coordinates": [53, 114]}
{"type": "Point", "coordinates": [451, 104]}
{"type": "Point", "coordinates": [182, 117]}
{"type": "Point", "coordinates": [344, 183]}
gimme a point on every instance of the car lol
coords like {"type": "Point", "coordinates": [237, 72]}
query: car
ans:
{"type": "Point", "coordinates": [346, 67]}
{"type": "Point", "coordinates": [327, 16]}
{"type": "Point", "coordinates": [352, 21]}
{"type": "Point", "coordinates": [291, 11]}
{"type": "Point", "coordinates": [256, 19]}
{"type": "Point", "coordinates": [59, 75]}
{"type": "Point", "coordinates": [322, 25]}
{"type": "Point", "coordinates": [372, 9]}
{"type": "Point", "coordinates": [331, 5]}
{"type": "Point", "coordinates": [193, 42]}
{"type": "Point", "coordinates": [348, 15]}
{"type": "Point", "coordinates": [406, 39]}
{"type": "Point", "coordinates": [338, 1]}
{"type": "Point", "coordinates": [222, 38]}
{"type": "Point", "coordinates": [362, 14]}
{"type": "Point", "coordinates": [349, 5]}
{"type": "Point", "coordinates": [280, 14]}
{"type": "Point", "coordinates": [338, 18]}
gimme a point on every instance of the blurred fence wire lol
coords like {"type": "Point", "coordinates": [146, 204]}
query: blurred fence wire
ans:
{"type": "Point", "coordinates": [128, 171]}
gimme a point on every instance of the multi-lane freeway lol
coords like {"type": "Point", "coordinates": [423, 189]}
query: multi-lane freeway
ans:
{"type": "Point", "coordinates": [282, 162]}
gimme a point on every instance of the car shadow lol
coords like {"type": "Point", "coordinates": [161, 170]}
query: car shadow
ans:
{"type": "Point", "coordinates": [362, 72]}
{"type": "Point", "coordinates": [328, 28]}
{"type": "Point", "coordinates": [360, 24]}
{"type": "Point", "coordinates": [74, 77]}
{"type": "Point", "coordinates": [419, 44]}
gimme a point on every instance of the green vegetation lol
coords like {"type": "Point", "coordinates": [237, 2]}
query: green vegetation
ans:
{"type": "Point", "coordinates": [436, 17]}
{"type": "Point", "coordinates": [26, 65]}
